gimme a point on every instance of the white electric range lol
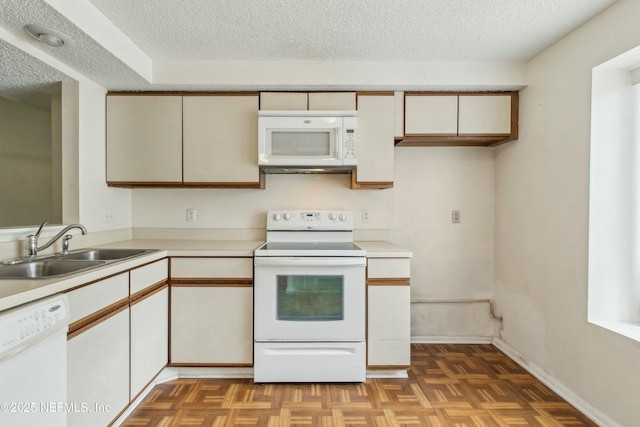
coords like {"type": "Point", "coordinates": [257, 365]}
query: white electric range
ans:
{"type": "Point", "coordinates": [309, 299]}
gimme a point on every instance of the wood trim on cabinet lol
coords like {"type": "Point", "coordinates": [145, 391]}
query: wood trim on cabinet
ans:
{"type": "Point", "coordinates": [182, 93]}
{"type": "Point", "coordinates": [209, 282]}
{"type": "Point", "coordinates": [450, 140]}
{"type": "Point", "coordinates": [388, 367]}
{"type": "Point", "coordinates": [259, 185]}
{"type": "Point", "coordinates": [211, 365]}
{"type": "Point", "coordinates": [377, 185]}
{"type": "Point", "coordinates": [388, 282]}
{"type": "Point", "coordinates": [148, 291]}
{"type": "Point", "coordinates": [88, 322]}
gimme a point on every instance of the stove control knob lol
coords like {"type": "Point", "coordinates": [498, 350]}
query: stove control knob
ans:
{"type": "Point", "coordinates": [287, 216]}
{"type": "Point", "coordinates": [277, 217]}
{"type": "Point", "coordinates": [333, 216]}
{"type": "Point", "coordinates": [343, 217]}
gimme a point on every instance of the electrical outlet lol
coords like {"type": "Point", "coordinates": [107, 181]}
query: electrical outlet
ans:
{"type": "Point", "coordinates": [109, 215]}
{"type": "Point", "coordinates": [191, 215]}
{"type": "Point", "coordinates": [455, 217]}
{"type": "Point", "coordinates": [365, 215]}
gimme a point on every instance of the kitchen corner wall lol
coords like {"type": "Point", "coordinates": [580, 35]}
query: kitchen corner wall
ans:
{"type": "Point", "coordinates": [451, 261]}
{"type": "Point", "coordinates": [541, 219]}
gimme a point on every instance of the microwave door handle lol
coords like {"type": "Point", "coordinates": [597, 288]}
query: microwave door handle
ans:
{"type": "Point", "coordinates": [338, 142]}
{"type": "Point", "coordinates": [309, 262]}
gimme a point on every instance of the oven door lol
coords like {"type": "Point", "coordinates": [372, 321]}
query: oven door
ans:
{"type": "Point", "coordinates": [309, 299]}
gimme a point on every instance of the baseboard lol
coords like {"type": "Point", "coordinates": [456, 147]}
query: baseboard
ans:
{"type": "Point", "coordinates": [387, 373]}
{"type": "Point", "coordinates": [556, 386]}
{"type": "Point", "coordinates": [214, 372]}
{"type": "Point", "coordinates": [433, 339]}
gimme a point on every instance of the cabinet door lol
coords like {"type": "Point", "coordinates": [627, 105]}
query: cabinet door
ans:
{"type": "Point", "coordinates": [375, 139]}
{"type": "Point", "coordinates": [149, 338]}
{"type": "Point", "coordinates": [220, 139]}
{"type": "Point", "coordinates": [144, 139]}
{"type": "Point", "coordinates": [212, 325]}
{"type": "Point", "coordinates": [484, 115]}
{"type": "Point", "coordinates": [344, 101]}
{"type": "Point", "coordinates": [388, 326]}
{"type": "Point", "coordinates": [431, 114]}
{"type": "Point", "coordinates": [283, 101]}
{"type": "Point", "coordinates": [98, 372]}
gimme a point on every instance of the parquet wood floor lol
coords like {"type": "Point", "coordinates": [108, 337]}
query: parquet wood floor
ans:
{"type": "Point", "coordinates": [448, 385]}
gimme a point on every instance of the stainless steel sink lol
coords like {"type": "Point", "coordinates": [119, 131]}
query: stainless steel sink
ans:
{"type": "Point", "coordinates": [60, 265]}
{"type": "Point", "coordinates": [45, 268]}
{"type": "Point", "coordinates": [104, 254]}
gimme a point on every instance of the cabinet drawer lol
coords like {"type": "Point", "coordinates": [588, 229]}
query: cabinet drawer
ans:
{"type": "Point", "coordinates": [388, 268]}
{"type": "Point", "coordinates": [96, 296]}
{"type": "Point", "coordinates": [212, 267]}
{"type": "Point", "coordinates": [148, 275]}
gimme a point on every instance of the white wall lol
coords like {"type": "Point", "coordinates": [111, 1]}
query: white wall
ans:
{"type": "Point", "coordinates": [94, 195]}
{"type": "Point", "coordinates": [541, 223]}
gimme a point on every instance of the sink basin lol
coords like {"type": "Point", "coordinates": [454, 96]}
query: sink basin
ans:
{"type": "Point", "coordinates": [45, 268]}
{"type": "Point", "coordinates": [104, 254]}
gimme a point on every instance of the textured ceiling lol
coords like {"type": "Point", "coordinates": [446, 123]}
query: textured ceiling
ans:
{"type": "Point", "coordinates": [354, 30]}
{"type": "Point", "coordinates": [228, 31]}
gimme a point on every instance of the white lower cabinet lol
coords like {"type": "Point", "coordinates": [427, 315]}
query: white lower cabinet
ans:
{"type": "Point", "coordinates": [149, 338]}
{"type": "Point", "coordinates": [389, 326]}
{"type": "Point", "coordinates": [211, 325]}
{"type": "Point", "coordinates": [211, 311]}
{"type": "Point", "coordinates": [117, 342]}
{"type": "Point", "coordinates": [388, 313]}
{"type": "Point", "coordinates": [98, 372]}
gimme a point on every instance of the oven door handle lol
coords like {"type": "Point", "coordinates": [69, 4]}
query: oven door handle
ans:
{"type": "Point", "coordinates": [309, 261]}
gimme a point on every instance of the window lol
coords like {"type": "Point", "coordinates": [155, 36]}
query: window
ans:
{"type": "Point", "coordinates": [614, 196]}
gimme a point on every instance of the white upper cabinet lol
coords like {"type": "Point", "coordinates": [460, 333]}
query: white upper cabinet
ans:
{"type": "Point", "coordinates": [283, 101]}
{"type": "Point", "coordinates": [375, 141]}
{"type": "Point", "coordinates": [319, 101]}
{"type": "Point", "coordinates": [465, 119]}
{"type": "Point", "coordinates": [484, 115]}
{"type": "Point", "coordinates": [183, 141]}
{"type": "Point", "coordinates": [144, 139]}
{"type": "Point", "coordinates": [303, 101]}
{"type": "Point", "coordinates": [220, 139]}
{"type": "Point", "coordinates": [431, 114]}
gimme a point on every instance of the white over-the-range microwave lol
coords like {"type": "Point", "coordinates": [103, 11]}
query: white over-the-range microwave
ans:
{"type": "Point", "coordinates": [307, 141]}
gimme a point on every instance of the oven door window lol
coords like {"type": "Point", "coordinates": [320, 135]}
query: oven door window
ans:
{"type": "Point", "coordinates": [310, 298]}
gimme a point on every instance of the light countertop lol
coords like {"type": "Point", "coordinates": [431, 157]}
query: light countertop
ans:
{"type": "Point", "coordinates": [379, 249]}
{"type": "Point", "coordinates": [14, 292]}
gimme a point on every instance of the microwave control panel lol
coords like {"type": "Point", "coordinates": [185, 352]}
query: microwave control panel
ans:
{"type": "Point", "coordinates": [350, 145]}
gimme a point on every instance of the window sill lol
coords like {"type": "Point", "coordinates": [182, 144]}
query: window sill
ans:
{"type": "Point", "coordinates": [628, 329]}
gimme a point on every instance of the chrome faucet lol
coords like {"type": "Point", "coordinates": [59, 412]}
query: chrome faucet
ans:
{"type": "Point", "coordinates": [32, 239]}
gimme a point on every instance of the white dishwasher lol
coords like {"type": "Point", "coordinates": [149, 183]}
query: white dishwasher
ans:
{"type": "Point", "coordinates": [33, 364]}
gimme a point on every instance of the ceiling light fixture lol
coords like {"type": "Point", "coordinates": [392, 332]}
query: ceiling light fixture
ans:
{"type": "Point", "coordinates": [48, 36]}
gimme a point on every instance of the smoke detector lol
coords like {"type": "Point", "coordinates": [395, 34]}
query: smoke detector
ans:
{"type": "Point", "coordinates": [48, 36]}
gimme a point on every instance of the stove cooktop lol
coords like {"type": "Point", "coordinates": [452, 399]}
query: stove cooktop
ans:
{"type": "Point", "coordinates": [310, 249]}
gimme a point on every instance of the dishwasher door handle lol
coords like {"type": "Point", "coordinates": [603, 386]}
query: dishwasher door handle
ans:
{"type": "Point", "coordinates": [310, 261]}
